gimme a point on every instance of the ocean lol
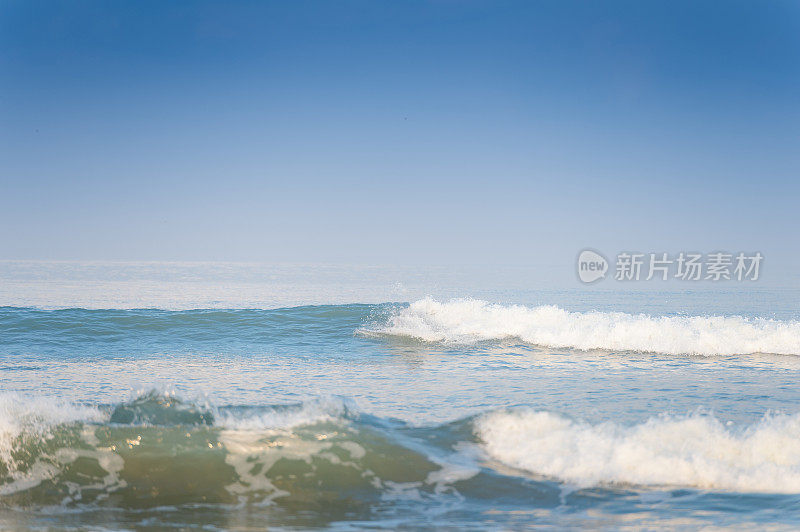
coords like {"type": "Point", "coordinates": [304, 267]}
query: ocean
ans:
{"type": "Point", "coordinates": [219, 396]}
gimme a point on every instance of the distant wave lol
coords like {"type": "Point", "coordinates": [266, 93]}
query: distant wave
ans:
{"type": "Point", "coordinates": [464, 321]}
{"type": "Point", "coordinates": [698, 451]}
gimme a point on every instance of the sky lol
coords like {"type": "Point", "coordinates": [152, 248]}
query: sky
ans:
{"type": "Point", "coordinates": [414, 132]}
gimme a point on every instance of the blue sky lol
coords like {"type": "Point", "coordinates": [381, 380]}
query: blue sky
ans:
{"type": "Point", "coordinates": [397, 132]}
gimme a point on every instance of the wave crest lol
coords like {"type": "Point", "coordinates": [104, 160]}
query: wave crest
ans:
{"type": "Point", "coordinates": [160, 450]}
{"type": "Point", "coordinates": [467, 321]}
{"type": "Point", "coordinates": [697, 450]}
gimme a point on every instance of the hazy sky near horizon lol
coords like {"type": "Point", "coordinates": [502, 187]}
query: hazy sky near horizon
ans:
{"type": "Point", "coordinates": [409, 132]}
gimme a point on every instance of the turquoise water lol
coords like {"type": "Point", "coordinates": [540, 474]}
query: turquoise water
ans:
{"type": "Point", "coordinates": [433, 413]}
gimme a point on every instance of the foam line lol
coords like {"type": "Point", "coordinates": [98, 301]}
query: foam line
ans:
{"type": "Point", "coordinates": [469, 321]}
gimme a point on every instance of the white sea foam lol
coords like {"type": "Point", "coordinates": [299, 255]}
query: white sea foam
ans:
{"type": "Point", "coordinates": [320, 410]}
{"type": "Point", "coordinates": [32, 419]}
{"type": "Point", "coordinates": [697, 451]}
{"type": "Point", "coordinates": [469, 320]}
{"type": "Point", "coordinates": [36, 416]}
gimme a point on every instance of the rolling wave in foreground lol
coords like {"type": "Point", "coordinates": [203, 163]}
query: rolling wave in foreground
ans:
{"type": "Point", "coordinates": [698, 451]}
{"type": "Point", "coordinates": [159, 450]}
{"type": "Point", "coordinates": [467, 321]}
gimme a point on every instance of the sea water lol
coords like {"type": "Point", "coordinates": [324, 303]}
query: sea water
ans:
{"type": "Point", "coordinates": [227, 397]}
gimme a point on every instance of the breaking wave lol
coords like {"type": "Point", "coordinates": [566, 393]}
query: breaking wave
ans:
{"type": "Point", "coordinates": [159, 450]}
{"type": "Point", "coordinates": [467, 321]}
{"type": "Point", "coordinates": [698, 450]}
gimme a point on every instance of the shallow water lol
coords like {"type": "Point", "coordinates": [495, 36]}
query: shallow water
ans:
{"type": "Point", "coordinates": [238, 396]}
{"type": "Point", "coordinates": [438, 413]}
